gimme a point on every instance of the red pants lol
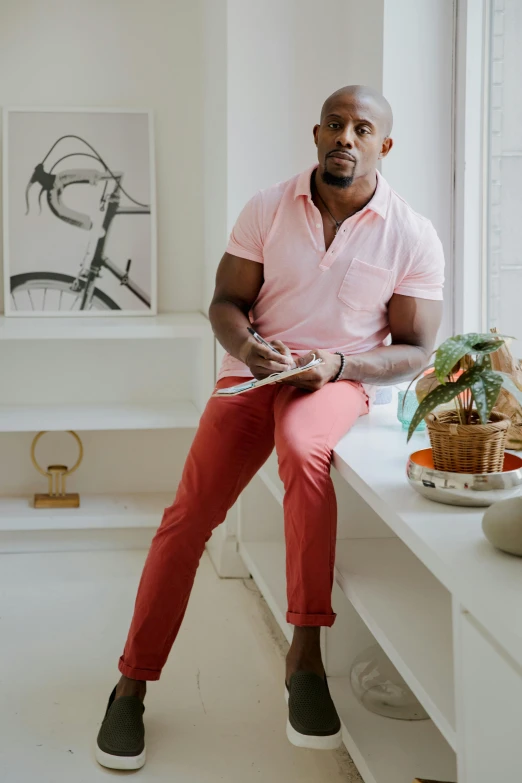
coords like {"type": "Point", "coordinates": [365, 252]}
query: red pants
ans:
{"type": "Point", "coordinates": [234, 439]}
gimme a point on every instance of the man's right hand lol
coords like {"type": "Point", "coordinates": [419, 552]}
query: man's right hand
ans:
{"type": "Point", "coordinates": [262, 362]}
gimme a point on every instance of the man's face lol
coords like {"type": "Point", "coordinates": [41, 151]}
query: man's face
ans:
{"type": "Point", "coordinates": [350, 139]}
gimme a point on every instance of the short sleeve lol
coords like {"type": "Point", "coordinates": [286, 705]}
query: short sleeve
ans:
{"type": "Point", "coordinates": [246, 239]}
{"type": "Point", "coordinates": [424, 278]}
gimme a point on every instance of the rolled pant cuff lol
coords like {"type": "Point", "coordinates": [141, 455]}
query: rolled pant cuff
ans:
{"type": "Point", "coordinates": [137, 674]}
{"type": "Point", "coordinates": [326, 620]}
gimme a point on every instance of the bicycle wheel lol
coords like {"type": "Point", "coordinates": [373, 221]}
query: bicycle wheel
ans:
{"type": "Point", "coordinates": [52, 292]}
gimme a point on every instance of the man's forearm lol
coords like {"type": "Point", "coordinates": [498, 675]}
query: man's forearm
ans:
{"type": "Point", "coordinates": [386, 365]}
{"type": "Point", "coordinates": [229, 324]}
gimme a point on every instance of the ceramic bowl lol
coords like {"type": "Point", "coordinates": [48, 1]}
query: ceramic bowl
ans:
{"type": "Point", "coordinates": [464, 489]}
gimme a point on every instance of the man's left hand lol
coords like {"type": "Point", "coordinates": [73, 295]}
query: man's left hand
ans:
{"type": "Point", "coordinates": [315, 378]}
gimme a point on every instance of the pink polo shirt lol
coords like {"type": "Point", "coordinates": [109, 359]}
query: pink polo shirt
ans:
{"type": "Point", "coordinates": [336, 299]}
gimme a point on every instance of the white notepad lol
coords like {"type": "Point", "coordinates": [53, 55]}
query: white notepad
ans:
{"type": "Point", "coordinates": [255, 384]}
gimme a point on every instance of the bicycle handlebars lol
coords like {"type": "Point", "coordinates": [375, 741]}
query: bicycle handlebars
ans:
{"type": "Point", "coordinates": [54, 185]}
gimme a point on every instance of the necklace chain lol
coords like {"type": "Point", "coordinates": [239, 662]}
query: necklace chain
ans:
{"type": "Point", "coordinates": [338, 223]}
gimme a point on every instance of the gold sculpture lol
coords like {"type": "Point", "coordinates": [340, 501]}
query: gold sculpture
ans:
{"type": "Point", "coordinates": [56, 474]}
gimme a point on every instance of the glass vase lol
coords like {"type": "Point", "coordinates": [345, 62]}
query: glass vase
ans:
{"type": "Point", "coordinates": [406, 406]}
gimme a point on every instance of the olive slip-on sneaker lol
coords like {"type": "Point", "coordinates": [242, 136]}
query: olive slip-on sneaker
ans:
{"type": "Point", "coordinates": [121, 739]}
{"type": "Point", "coordinates": [313, 721]}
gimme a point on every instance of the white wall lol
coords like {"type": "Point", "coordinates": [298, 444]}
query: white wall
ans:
{"type": "Point", "coordinates": [361, 32]}
{"type": "Point", "coordinates": [269, 67]}
{"type": "Point", "coordinates": [285, 58]}
{"type": "Point", "coordinates": [215, 140]}
{"type": "Point", "coordinates": [280, 59]}
{"type": "Point", "coordinates": [125, 53]}
{"type": "Point", "coordinates": [115, 53]}
{"type": "Point", "coordinates": [417, 79]}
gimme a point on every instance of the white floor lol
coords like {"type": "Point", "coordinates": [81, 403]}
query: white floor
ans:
{"type": "Point", "coordinates": [216, 715]}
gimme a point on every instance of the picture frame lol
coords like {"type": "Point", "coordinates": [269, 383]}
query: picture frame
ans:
{"type": "Point", "coordinates": [85, 243]}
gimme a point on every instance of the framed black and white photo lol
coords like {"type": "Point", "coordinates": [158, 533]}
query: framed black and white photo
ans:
{"type": "Point", "coordinates": [79, 212]}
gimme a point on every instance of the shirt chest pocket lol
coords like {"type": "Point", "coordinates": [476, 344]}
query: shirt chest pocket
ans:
{"type": "Point", "coordinates": [365, 287]}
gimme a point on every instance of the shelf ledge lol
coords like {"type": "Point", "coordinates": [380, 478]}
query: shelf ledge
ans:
{"type": "Point", "coordinates": [409, 613]}
{"type": "Point", "coordinates": [165, 326]}
{"type": "Point", "coordinates": [96, 512]}
{"type": "Point", "coordinates": [178, 414]}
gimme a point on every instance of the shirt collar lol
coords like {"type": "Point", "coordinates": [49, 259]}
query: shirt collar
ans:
{"type": "Point", "coordinates": [378, 203]}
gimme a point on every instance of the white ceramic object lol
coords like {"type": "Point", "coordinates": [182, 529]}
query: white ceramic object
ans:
{"type": "Point", "coordinates": [502, 525]}
{"type": "Point", "coordinates": [380, 688]}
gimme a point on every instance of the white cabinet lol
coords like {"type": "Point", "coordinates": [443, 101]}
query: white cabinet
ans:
{"type": "Point", "coordinates": [490, 692]}
{"type": "Point", "coordinates": [404, 567]}
{"type": "Point", "coordinates": [392, 599]}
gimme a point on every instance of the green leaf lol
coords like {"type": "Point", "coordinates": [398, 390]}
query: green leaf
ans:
{"type": "Point", "coordinates": [438, 396]}
{"type": "Point", "coordinates": [509, 384]}
{"type": "Point", "coordinates": [487, 347]}
{"type": "Point", "coordinates": [453, 349]}
{"type": "Point", "coordinates": [485, 387]}
{"type": "Point", "coordinates": [489, 336]}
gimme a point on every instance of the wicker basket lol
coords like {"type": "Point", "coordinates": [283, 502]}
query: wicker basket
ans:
{"type": "Point", "coordinates": [467, 448]}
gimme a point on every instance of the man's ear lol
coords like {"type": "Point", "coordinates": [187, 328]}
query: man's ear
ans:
{"type": "Point", "coordinates": [386, 147]}
{"type": "Point", "coordinates": [316, 133]}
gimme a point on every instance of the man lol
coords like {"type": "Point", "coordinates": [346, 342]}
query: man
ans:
{"type": "Point", "coordinates": [331, 262]}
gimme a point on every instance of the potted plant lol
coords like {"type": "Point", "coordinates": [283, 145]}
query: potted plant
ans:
{"type": "Point", "coordinates": [471, 436]}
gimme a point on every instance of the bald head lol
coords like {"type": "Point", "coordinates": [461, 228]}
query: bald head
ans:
{"type": "Point", "coordinates": [353, 135]}
{"type": "Point", "coordinates": [368, 98]}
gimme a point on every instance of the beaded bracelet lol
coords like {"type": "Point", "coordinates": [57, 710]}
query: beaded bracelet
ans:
{"type": "Point", "coordinates": [343, 365]}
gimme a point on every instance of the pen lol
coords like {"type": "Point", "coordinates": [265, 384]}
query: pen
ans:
{"type": "Point", "coordinates": [259, 339]}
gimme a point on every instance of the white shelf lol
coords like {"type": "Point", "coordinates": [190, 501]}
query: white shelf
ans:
{"type": "Point", "coordinates": [383, 749]}
{"type": "Point", "coordinates": [96, 512]}
{"type": "Point", "coordinates": [167, 326]}
{"type": "Point", "coordinates": [109, 416]}
{"type": "Point", "coordinates": [409, 613]}
{"type": "Point", "coordinates": [390, 750]}
{"type": "Point", "coordinates": [266, 563]}
{"type": "Point", "coordinates": [447, 539]}
{"type": "Point", "coordinates": [405, 608]}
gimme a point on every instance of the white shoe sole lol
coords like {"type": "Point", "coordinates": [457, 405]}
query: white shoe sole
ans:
{"type": "Point", "coordinates": [120, 762]}
{"type": "Point", "coordinates": [311, 741]}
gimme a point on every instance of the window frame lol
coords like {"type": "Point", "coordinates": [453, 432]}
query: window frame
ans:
{"type": "Point", "coordinates": [470, 228]}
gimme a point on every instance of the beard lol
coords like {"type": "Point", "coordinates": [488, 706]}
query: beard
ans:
{"type": "Point", "coordinates": [336, 182]}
